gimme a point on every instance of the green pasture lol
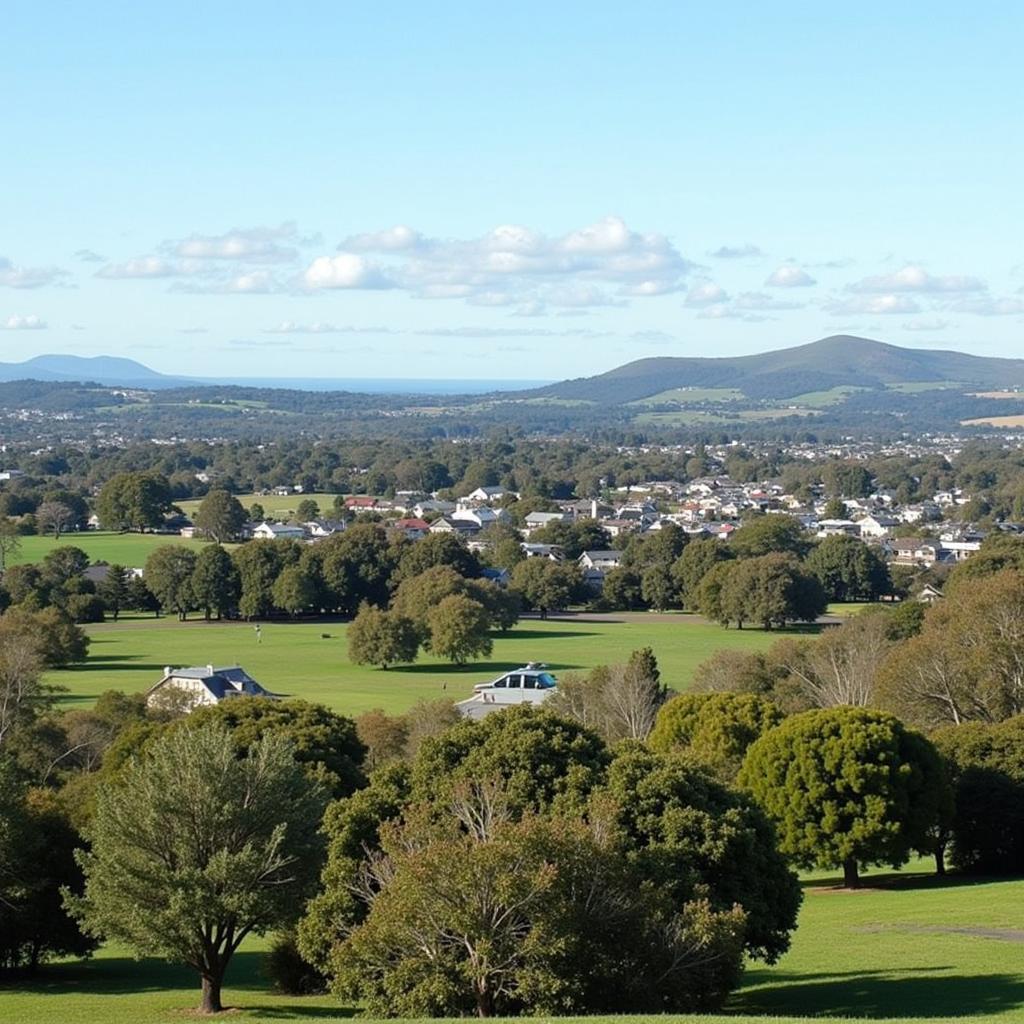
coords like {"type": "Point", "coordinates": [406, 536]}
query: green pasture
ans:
{"type": "Point", "coordinates": [822, 399]}
{"type": "Point", "coordinates": [130, 549]}
{"type": "Point", "coordinates": [686, 395]}
{"type": "Point", "coordinates": [310, 660]}
{"type": "Point", "coordinates": [280, 506]}
{"type": "Point", "coordinates": [907, 947]}
{"type": "Point", "coordinates": [916, 387]}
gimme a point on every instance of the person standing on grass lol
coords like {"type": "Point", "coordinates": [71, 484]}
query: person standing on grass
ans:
{"type": "Point", "coordinates": [259, 633]}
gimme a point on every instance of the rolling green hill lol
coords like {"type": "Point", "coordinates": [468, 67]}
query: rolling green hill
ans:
{"type": "Point", "coordinates": [834, 362]}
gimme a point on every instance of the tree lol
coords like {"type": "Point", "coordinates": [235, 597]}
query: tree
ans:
{"type": "Point", "coordinates": [834, 509]}
{"type": "Point", "coordinates": [846, 787]}
{"type": "Point", "coordinates": [113, 590]}
{"type": "Point", "coordinates": [294, 591]}
{"type": "Point", "coordinates": [220, 516]}
{"type": "Point", "coordinates": [22, 694]}
{"type": "Point", "coordinates": [622, 589]}
{"type": "Point", "coordinates": [259, 565]}
{"type": "Point", "coordinates": [384, 736]}
{"type": "Point", "coordinates": [986, 767]}
{"type": "Point", "coordinates": [460, 629]}
{"type": "Point", "coordinates": [382, 638]}
{"type": "Point", "coordinates": [134, 501]}
{"type": "Point", "coordinates": [57, 641]}
{"type": "Point", "coordinates": [54, 517]}
{"type": "Point", "coordinates": [140, 597]}
{"type": "Point", "coordinates": [438, 549]}
{"type": "Point", "coordinates": [967, 663]}
{"type": "Point", "coordinates": [215, 582]}
{"type": "Point", "coordinates": [357, 567]}
{"type": "Point", "coordinates": [36, 860]}
{"type": "Point", "coordinates": [659, 588]}
{"type": "Point", "coordinates": [618, 701]}
{"type": "Point", "coordinates": [10, 541]}
{"type": "Point", "coordinates": [715, 728]}
{"type": "Point", "coordinates": [771, 590]}
{"type": "Point", "coordinates": [848, 569]}
{"type": "Point", "coordinates": [307, 511]}
{"type": "Point", "coordinates": [256, 513]}
{"type": "Point", "coordinates": [491, 915]}
{"type": "Point", "coordinates": [325, 743]}
{"type": "Point", "coordinates": [546, 584]}
{"type": "Point", "coordinates": [192, 848]}
{"type": "Point", "coordinates": [770, 535]}
{"type": "Point", "coordinates": [841, 666]}
{"type": "Point", "coordinates": [699, 557]}
{"type": "Point", "coordinates": [168, 574]}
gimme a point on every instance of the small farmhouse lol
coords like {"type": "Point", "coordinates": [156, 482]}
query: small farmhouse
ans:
{"type": "Point", "coordinates": [190, 688]}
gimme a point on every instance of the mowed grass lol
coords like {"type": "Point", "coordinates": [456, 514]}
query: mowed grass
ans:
{"type": "Point", "coordinates": [310, 660]}
{"type": "Point", "coordinates": [278, 506]}
{"type": "Point", "coordinates": [907, 947]}
{"type": "Point", "coordinates": [130, 549]}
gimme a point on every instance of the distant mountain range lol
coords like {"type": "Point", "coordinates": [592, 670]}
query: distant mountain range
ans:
{"type": "Point", "coordinates": [838, 361]}
{"type": "Point", "coordinates": [111, 371]}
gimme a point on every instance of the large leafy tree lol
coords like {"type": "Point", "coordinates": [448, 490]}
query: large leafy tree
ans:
{"type": "Point", "coordinates": [216, 586]}
{"type": "Point", "coordinates": [134, 501]}
{"type": "Point", "coordinates": [715, 728]}
{"type": "Point", "coordinates": [849, 570]}
{"type": "Point", "coordinates": [847, 787]}
{"type": "Point", "coordinates": [967, 663]}
{"type": "Point", "coordinates": [769, 535]}
{"type": "Point", "coordinates": [325, 743]}
{"type": "Point", "coordinates": [649, 905]}
{"type": "Point", "coordinates": [192, 848]}
{"type": "Point", "coordinates": [259, 565]}
{"type": "Point", "coordinates": [382, 638]}
{"type": "Point", "coordinates": [460, 629]}
{"type": "Point", "coordinates": [36, 859]}
{"type": "Point", "coordinates": [220, 516]}
{"type": "Point", "coordinates": [546, 584]}
{"type": "Point", "coordinates": [169, 573]}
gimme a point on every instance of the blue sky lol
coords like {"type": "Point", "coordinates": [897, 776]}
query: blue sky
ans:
{"type": "Point", "coordinates": [452, 190]}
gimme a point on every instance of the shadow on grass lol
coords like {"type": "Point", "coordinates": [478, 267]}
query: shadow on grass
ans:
{"type": "Point", "coordinates": [907, 881]}
{"type": "Point", "coordinates": [486, 670]}
{"type": "Point", "coordinates": [872, 994]}
{"type": "Point", "coordinates": [296, 1011]}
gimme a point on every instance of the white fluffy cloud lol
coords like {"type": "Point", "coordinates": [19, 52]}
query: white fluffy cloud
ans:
{"type": "Point", "coordinates": [23, 323]}
{"type": "Point", "coordinates": [247, 245]}
{"type": "Point", "coordinates": [509, 265]}
{"type": "Point", "coordinates": [872, 304]}
{"type": "Point", "coordinates": [704, 294]}
{"type": "Point", "coordinates": [914, 278]}
{"type": "Point", "coordinates": [13, 276]}
{"type": "Point", "coordinates": [141, 267]}
{"type": "Point", "coordinates": [789, 275]}
{"type": "Point", "coordinates": [345, 270]}
{"type": "Point", "coordinates": [736, 252]}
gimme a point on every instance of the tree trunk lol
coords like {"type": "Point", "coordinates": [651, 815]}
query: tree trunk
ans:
{"type": "Point", "coordinates": [211, 993]}
{"type": "Point", "coordinates": [940, 859]}
{"type": "Point", "coordinates": [484, 1002]}
{"type": "Point", "coordinates": [851, 879]}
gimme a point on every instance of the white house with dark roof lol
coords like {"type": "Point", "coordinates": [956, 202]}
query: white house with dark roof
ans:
{"type": "Point", "coordinates": [278, 531]}
{"type": "Point", "coordinates": [191, 688]}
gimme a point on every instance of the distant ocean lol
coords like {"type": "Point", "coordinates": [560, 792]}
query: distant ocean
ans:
{"type": "Point", "coordinates": [384, 385]}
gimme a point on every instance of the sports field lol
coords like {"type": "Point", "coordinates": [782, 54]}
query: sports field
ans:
{"type": "Point", "coordinates": [906, 947]}
{"type": "Point", "coordinates": [310, 660]}
{"type": "Point", "coordinates": [278, 506]}
{"type": "Point", "coordinates": [130, 549]}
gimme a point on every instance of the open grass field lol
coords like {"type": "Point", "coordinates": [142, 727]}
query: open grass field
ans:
{"type": "Point", "coordinates": [907, 947]}
{"type": "Point", "coordinates": [273, 504]}
{"type": "Point", "coordinates": [995, 421]}
{"type": "Point", "coordinates": [130, 549]}
{"type": "Point", "coordinates": [298, 660]}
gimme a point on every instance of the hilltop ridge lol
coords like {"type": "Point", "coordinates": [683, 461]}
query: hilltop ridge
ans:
{"type": "Point", "coordinates": [840, 360]}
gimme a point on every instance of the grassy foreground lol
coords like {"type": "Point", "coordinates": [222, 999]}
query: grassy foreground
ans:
{"type": "Point", "coordinates": [907, 947]}
{"type": "Point", "coordinates": [310, 660]}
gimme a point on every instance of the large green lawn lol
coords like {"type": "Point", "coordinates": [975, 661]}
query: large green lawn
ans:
{"type": "Point", "coordinates": [908, 949]}
{"type": "Point", "coordinates": [310, 660]}
{"type": "Point", "coordinates": [282, 506]}
{"type": "Point", "coordinates": [130, 549]}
